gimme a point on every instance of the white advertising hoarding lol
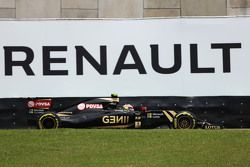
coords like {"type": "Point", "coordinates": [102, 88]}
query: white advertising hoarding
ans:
{"type": "Point", "coordinates": [151, 57]}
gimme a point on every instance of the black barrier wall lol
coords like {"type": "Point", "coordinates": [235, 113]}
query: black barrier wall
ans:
{"type": "Point", "coordinates": [13, 113]}
{"type": "Point", "coordinates": [228, 111]}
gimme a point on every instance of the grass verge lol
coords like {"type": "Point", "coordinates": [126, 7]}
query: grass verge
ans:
{"type": "Point", "coordinates": [124, 148]}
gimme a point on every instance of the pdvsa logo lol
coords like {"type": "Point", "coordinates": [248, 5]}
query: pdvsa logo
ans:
{"type": "Point", "coordinates": [40, 103]}
{"type": "Point", "coordinates": [83, 106]}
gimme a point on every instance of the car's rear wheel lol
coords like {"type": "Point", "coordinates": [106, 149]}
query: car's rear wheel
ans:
{"type": "Point", "coordinates": [48, 121]}
{"type": "Point", "coordinates": [184, 120]}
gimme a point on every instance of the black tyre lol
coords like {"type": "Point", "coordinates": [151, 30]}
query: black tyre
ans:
{"type": "Point", "coordinates": [184, 120]}
{"type": "Point", "coordinates": [48, 121]}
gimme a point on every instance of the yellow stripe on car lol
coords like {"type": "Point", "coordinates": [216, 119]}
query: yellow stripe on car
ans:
{"type": "Point", "coordinates": [168, 116]}
{"type": "Point", "coordinates": [172, 112]}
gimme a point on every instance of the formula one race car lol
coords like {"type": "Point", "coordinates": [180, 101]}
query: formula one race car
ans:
{"type": "Point", "coordinates": [105, 113]}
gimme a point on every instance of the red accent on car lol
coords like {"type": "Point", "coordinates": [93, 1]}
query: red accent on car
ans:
{"type": "Point", "coordinates": [40, 104]}
{"type": "Point", "coordinates": [143, 108]}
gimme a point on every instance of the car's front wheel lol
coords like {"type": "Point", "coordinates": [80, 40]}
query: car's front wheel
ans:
{"type": "Point", "coordinates": [184, 120]}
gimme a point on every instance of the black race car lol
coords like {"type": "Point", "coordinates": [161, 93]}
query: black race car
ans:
{"type": "Point", "coordinates": [105, 113]}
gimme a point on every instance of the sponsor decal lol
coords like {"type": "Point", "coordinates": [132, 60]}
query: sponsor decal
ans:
{"type": "Point", "coordinates": [149, 115]}
{"type": "Point", "coordinates": [41, 103]}
{"type": "Point", "coordinates": [83, 106]}
{"type": "Point", "coordinates": [138, 124]}
{"type": "Point", "coordinates": [115, 119]}
{"type": "Point", "coordinates": [31, 104]}
{"type": "Point", "coordinates": [212, 127]}
{"type": "Point", "coordinates": [154, 115]}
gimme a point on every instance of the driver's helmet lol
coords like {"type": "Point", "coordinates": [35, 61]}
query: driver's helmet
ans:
{"type": "Point", "coordinates": [128, 107]}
